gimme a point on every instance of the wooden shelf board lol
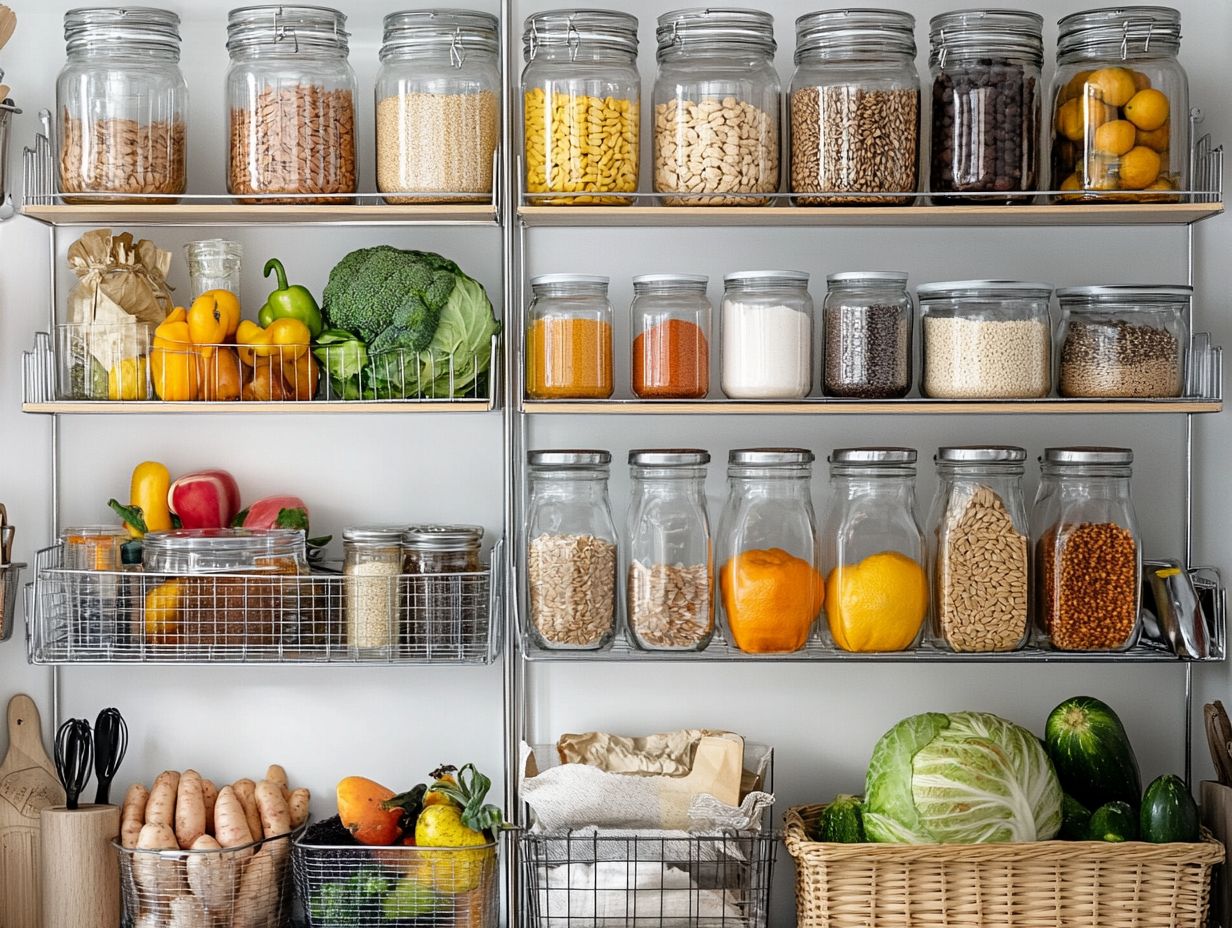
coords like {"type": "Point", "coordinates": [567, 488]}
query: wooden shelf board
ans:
{"type": "Point", "coordinates": [861, 407]}
{"type": "Point", "coordinates": [198, 214]}
{"type": "Point", "coordinates": [318, 407]}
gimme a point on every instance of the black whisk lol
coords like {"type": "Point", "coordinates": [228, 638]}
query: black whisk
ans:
{"type": "Point", "coordinates": [74, 751]}
{"type": "Point", "coordinates": [110, 744]}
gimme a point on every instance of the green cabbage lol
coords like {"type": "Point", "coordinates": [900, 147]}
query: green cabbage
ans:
{"type": "Point", "coordinates": [962, 778]}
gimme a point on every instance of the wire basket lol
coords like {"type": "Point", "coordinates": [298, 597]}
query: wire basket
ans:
{"type": "Point", "coordinates": [10, 582]}
{"type": "Point", "coordinates": [232, 888]}
{"type": "Point", "coordinates": [340, 887]}
{"type": "Point", "coordinates": [647, 880]}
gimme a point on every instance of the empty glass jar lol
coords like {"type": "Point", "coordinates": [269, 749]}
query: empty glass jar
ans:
{"type": "Point", "coordinates": [569, 338]}
{"type": "Point", "coordinates": [213, 264]}
{"type": "Point", "coordinates": [866, 323]}
{"type": "Point", "coordinates": [670, 324]}
{"type": "Point", "coordinates": [767, 335]}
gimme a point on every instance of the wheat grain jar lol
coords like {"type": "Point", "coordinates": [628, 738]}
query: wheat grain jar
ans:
{"type": "Point", "coordinates": [766, 335]}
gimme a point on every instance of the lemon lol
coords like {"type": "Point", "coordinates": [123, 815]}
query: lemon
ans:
{"type": "Point", "coordinates": [1147, 109]}
{"type": "Point", "coordinates": [1115, 86]}
{"type": "Point", "coordinates": [1071, 184]}
{"type": "Point", "coordinates": [127, 380]}
{"type": "Point", "coordinates": [1096, 113]}
{"type": "Point", "coordinates": [1100, 174]}
{"type": "Point", "coordinates": [1139, 168]}
{"type": "Point", "coordinates": [1141, 81]}
{"type": "Point", "coordinates": [877, 604]}
{"type": "Point", "coordinates": [1158, 139]}
{"type": "Point", "coordinates": [1076, 86]}
{"type": "Point", "coordinates": [1115, 138]}
{"type": "Point", "coordinates": [1069, 120]}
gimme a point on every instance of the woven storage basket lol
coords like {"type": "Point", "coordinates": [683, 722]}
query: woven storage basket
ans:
{"type": "Point", "coordinates": [1043, 884]}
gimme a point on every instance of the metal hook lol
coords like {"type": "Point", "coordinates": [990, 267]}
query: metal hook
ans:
{"type": "Point", "coordinates": [281, 32]}
{"type": "Point", "coordinates": [573, 41]}
{"type": "Point", "coordinates": [534, 39]}
{"type": "Point", "coordinates": [944, 51]}
{"type": "Point", "coordinates": [457, 50]}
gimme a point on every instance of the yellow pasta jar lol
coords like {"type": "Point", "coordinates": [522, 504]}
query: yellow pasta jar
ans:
{"type": "Point", "coordinates": [581, 107]}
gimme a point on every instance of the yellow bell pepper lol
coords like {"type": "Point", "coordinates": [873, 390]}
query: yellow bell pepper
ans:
{"type": "Point", "coordinates": [290, 337]}
{"type": "Point", "coordinates": [228, 306]}
{"type": "Point", "coordinates": [207, 324]}
{"type": "Point", "coordinates": [252, 342]}
{"type": "Point", "coordinates": [127, 380]}
{"type": "Point", "coordinates": [173, 362]}
{"type": "Point", "coordinates": [162, 613]}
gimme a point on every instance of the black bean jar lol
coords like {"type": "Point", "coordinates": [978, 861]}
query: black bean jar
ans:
{"type": "Point", "coordinates": [986, 105]}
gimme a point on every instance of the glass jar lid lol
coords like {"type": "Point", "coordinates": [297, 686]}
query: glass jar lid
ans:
{"type": "Point", "coordinates": [854, 33]}
{"type": "Point", "coordinates": [984, 289]}
{"type": "Point", "coordinates": [716, 28]}
{"type": "Point", "coordinates": [569, 457]}
{"type": "Point", "coordinates": [669, 457]}
{"type": "Point", "coordinates": [89, 29]}
{"type": "Point", "coordinates": [876, 278]}
{"type": "Point", "coordinates": [766, 279]}
{"type": "Point", "coordinates": [460, 32]}
{"type": "Point", "coordinates": [373, 534]}
{"type": "Point", "coordinates": [567, 281]}
{"type": "Point", "coordinates": [286, 30]}
{"type": "Point", "coordinates": [1124, 296]}
{"type": "Point", "coordinates": [605, 30]}
{"type": "Point", "coordinates": [873, 456]}
{"type": "Point", "coordinates": [981, 454]}
{"type": "Point", "coordinates": [964, 34]}
{"type": "Point", "coordinates": [1120, 31]}
{"type": "Point", "coordinates": [197, 550]}
{"type": "Point", "coordinates": [443, 537]}
{"type": "Point", "coordinates": [769, 457]}
{"type": "Point", "coordinates": [1088, 455]}
{"type": "Point", "coordinates": [692, 282]}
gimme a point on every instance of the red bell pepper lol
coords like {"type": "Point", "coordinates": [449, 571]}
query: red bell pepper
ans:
{"type": "Point", "coordinates": [205, 499]}
{"type": "Point", "coordinates": [275, 512]}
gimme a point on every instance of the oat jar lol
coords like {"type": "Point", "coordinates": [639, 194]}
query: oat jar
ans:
{"type": "Point", "coordinates": [716, 107]}
{"type": "Point", "coordinates": [372, 563]}
{"type": "Point", "coordinates": [985, 339]}
{"type": "Point", "coordinates": [437, 105]}
{"type": "Point", "coordinates": [1088, 560]}
{"type": "Point", "coordinates": [122, 105]}
{"type": "Point", "coordinates": [979, 550]}
{"type": "Point", "coordinates": [569, 338]}
{"type": "Point", "coordinates": [1123, 341]}
{"type": "Point", "coordinates": [581, 95]}
{"type": "Point", "coordinates": [1120, 106]}
{"type": "Point", "coordinates": [767, 335]}
{"type": "Point", "coordinates": [670, 322]}
{"type": "Point", "coordinates": [570, 550]}
{"type": "Point", "coordinates": [866, 322]}
{"type": "Point", "coordinates": [290, 104]}
{"type": "Point", "coordinates": [669, 572]}
{"type": "Point", "coordinates": [855, 108]}
{"type": "Point", "coordinates": [770, 585]}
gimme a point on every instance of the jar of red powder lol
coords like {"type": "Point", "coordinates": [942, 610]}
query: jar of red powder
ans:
{"type": "Point", "coordinates": [670, 328]}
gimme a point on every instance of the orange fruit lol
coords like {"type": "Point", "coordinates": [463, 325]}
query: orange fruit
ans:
{"type": "Point", "coordinates": [1159, 139]}
{"type": "Point", "coordinates": [1147, 109]}
{"type": "Point", "coordinates": [877, 604]}
{"type": "Point", "coordinates": [1069, 120]}
{"type": "Point", "coordinates": [1114, 138]}
{"type": "Point", "coordinates": [770, 598]}
{"type": "Point", "coordinates": [1139, 168]}
{"type": "Point", "coordinates": [1076, 86]}
{"type": "Point", "coordinates": [1115, 86]}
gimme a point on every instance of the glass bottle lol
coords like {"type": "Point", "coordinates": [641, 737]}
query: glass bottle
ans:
{"type": "Point", "coordinates": [979, 550]}
{"type": "Point", "coordinates": [767, 335]}
{"type": "Point", "coordinates": [669, 567]}
{"type": "Point", "coordinates": [1087, 556]}
{"type": "Point", "coordinates": [670, 326]}
{"type": "Point", "coordinates": [873, 551]}
{"type": "Point", "coordinates": [770, 587]}
{"type": "Point", "coordinates": [569, 338]}
{"type": "Point", "coordinates": [213, 264]}
{"type": "Point", "coordinates": [371, 565]}
{"type": "Point", "coordinates": [571, 551]}
{"type": "Point", "coordinates": [866, 323]}
{"type": "Point", "coordinates": [716, 107]}
{"type": "Point", "coordinates": [446, 596]}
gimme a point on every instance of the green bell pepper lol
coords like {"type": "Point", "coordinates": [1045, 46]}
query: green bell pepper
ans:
{"type": "Point", "coordinates": [290, 302]}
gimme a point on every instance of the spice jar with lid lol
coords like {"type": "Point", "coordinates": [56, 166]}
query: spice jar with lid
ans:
{"type": "Point", "coordinates": [979, 550]}
{"type": "Point", "coordinates": [122, 106]}
{"type": "Point", "coordinates": [1125, 341]}
{"type": "Point", "coordinates": [770, 585]}
{"type": "Point", "coordinates": [668, 556]}
{"type": "Point", "coordinates": [290, 104]}
{"type": "Point", "coordinates": [767, 335]}
{"type": "Point", "coordinates": [985, 339]}
{"type": "Point", "coordinates": [873, 551]}
{"type": "Point", "coordinates": [855, 108]}
{"type": "Point", "coordinates": [1088, 560]}
{"type": "Point", "coordinates": [581, 96]}
{"type": "Point", "coordinates": [670, 324]}
{"type": "Point", "coordinates": [372, 559]}
{"type": "Point", "coordinates": [570, 550]}
{"type": "Point", "coordinates": [866, 323]}
{"type": "Point", "coordinates": [987, 104]}
{"type": "Point", "coordinates": [1120, 106]}
{"type": "Point", "coordinates": [716, 107]}
{"type": "Point", "coordinates": [446, 592]}
{"type": "Point", "coordinates": [438, 105]}
{"type": "Point", "coordinates": [569, 338]}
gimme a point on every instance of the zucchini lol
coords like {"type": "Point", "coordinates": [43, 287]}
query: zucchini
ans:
{"type": "Point", "coordinates": [842, 821]}
{"type": "Point", "coordinates": [1075, 819]}
{"type": "Point", "coordinates": [1168, 812]}
{"type": "Point", "coordinates": [1091, 752]}
{"type": "Point", "coordinates": [1113, 821]}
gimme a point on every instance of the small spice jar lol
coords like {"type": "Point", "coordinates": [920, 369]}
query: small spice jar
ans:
{"type": "Point", "coordinates": [867, 320]}
{"type": "Point", "coordinates": [213, 264]}
{"type": "Point", "coordinates": [670, 324]}
{"type": "Point", "coordinates": [767, 335]}
{"type": "Point", "coordinates": [571, 551]}
{"type": "Point", "coordinates": [669, 573]}
{"type": "Point", "coordinates": [873, 551]}
{"type": "Point", "coordinates": [979, 550]}
{"type": "Point", "coordinates": [93, 547]}
{"type": "Point", "coordinates": [985, 339]}
{"type": "Point", "coordinates": [372, 563]}
{"type": "Point", "coordinates": [1088, 560]}
{"type": "Point", "coordinates": [1123, 341]}
{"type": "Point", "coordinates": [446, 599]}
{"type": "Point", "coordinates": [442, 549]}
{"type": "Point", "coordinates": [770, 587]}
{"type": "Point", "coordinates": [569, 338]}
{"type": "Point", "coordinates": [716, 107]}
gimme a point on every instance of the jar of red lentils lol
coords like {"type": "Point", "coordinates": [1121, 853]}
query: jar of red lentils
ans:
{"type": "Point", "coordinates": [1088, 559]}
{"type": "Point", "coordinates": [670, 327]}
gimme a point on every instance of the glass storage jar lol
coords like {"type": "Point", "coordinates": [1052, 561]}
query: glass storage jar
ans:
{"type": "Point", "coordinates": [670, 322]}
{"type": "Point", "coordinates": [290, 104]}
{"type": "Point", "coordinates": [442, 549]}
{"type": "Point", "coordinates": [569, 338]}
{"type": "Point", "coordinates": [767, 335]}
{"type": "Point", "coordinates": [1088, 560]}
{"type": "Point", "coordinates": [855, 108]}
{"type": "Point", "coordinates": [987, 104]}
{"type": "Point", "coordinates": [669, 577]}
{"type": "Point", "coordinates": [581, 106]}
{"type": "Point", "coordinates": [770, 586]}
{"type": "Point", "coordinates": [866, 324]}
{"type": "Point", "coordinates": [438, 105]}
{"type": "Point", "coordinates": [979, 550]}
{"type": "Point", "coordinates": [985, 339]}
{"type": "Point", "coordinates": [447, 599]}
{"type": "Point", "coordinates": [873, 551]}
{"type": "Point", "coordinates": [1120, 106]}
{"type": "Point", "coordinates": [213, 264]}
{"type": "Point", "coordinates": [571, 550]}
{"type": "Point", "coordinates": [122, 105]}
{"type": "Point", "coordinates": [1123, 341]}
{"type": "Point", "coordinates": [716, 107]}
{"type": "Point", "coordinates": [371, 564]}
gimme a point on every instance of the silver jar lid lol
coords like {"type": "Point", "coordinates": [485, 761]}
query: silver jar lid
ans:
{"type": "Point", "coordinates": [668, 457]}
{"type": "Point", "coordinates": [769, 457]}
{"type": "Point", "coordinates": [461, 32]}
{"type": "Point", "coordinates": [709, 26]}
{"type": "Point", "coordinates": [692, 282]}
{"type": "Point", "coordinates": [855, 32]}
{"type": "Point", "coordinates": [888, 278]}
{"type": "Point", "coordinates": [1125, 296]}
{"type": "Point", "coordinates": [608, 30]}
{"type": "Point", "coordinates": [1119, 31]}
{"type": "Point", "coordinates": [569, 457]}
{"type": "Point", "coordinates": [985, 289]}
{"type": "Point", "coordinates": [203, 550]}
{"type": "Point", "coordinates": [443, 537]}
{"type": "Point", "coordinates": [136, 27]}
{"type": "Point", "coordinates": [981, 454]}
{"type": "Point", "coordinates": [565, 280]}
{"type": "Point", "coordinates": [873, 456]}
{"type": "Point", "coordinates": [288, 30]}
{"type": "Point", "coordinates": [1088, 455]}
{"type": "Point", "coordinates": [766, 278]}
{"type": "Point", "coordinates": [373, 534]}
{"type": "Point", "coordinates": [964, 34]}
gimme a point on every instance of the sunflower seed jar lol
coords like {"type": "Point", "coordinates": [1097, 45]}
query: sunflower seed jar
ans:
{"type": "Point", "coordinates": [866, 320]}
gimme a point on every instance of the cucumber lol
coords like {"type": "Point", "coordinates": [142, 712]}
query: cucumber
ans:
{"type": "Point", "coordinates": [842, 821]}
{"type": "Point", "coordinates": [1075, 819]}
{"type": "Point", "coordinates": [1113, 821]}
{"type": "Point", "coordinates": [1168, 812]}
{"type": "Point", "coordinates": [1091, 752]}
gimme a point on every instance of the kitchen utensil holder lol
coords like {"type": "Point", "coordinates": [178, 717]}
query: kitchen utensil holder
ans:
{"type": "Point", "coordinates": [81, 874]}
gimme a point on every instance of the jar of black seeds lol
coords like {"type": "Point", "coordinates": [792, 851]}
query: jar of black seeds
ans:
{"type": "Point", "coordinates": [866, 326]}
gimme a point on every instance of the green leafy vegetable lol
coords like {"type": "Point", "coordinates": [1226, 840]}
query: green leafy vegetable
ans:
{"type": "Point", "coordinates": [342, 354]}
{"type": "Point", "coordinates": [350, 903]}
{"type": "Point", "coordinates": [469, 792]}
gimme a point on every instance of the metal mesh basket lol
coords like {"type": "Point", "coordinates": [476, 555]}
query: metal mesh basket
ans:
{"type": "Point", "coordinates": [421, 887]}
{"type": "Point", "coordinates": [231, 888]}
{"type": "Point", "coordinates": [10, 580]}
{"type": "Point", "coordinates": [648, 880]}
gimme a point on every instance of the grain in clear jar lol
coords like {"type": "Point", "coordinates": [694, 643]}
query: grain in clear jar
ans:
{"type": "Point", "coordinates": [372, 566]}
{"type": "Point", "coordinates": [447, 598]}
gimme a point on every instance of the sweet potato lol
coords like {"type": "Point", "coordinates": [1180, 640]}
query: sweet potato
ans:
{"type": "Point", "coordinates": [275, 815]}
{"type": "Point", "coordinates": [246, 792]}
{"type": "Point", "coordinates": [189, 809]}
{"type": "Point", "coordinates": [132, 814]}
{"type": "Point", "coordinates": [213, 877]}
{"type": "Point", "coordinates": [209, 795]}
{"type": "Point", "coordinates": [298, 804]}
{"type": "Point", "coordinates": [359, 807]}
{"type": "Point", "coordinates": [276, 774]}
{"type": "Point", "coordinates": [257, 898]}
{"type": "Point", "coordinates": [230, 825]}
{"type": "Point", "coordinates": [159, 879]}
{"type": "Point", "coordinates": [160, 810]}
{"type": "Point", "coordinates": [189, 912]}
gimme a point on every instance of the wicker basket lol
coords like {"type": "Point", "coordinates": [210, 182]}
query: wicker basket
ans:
{"type": "Point", "coordinates": [1043, 884]}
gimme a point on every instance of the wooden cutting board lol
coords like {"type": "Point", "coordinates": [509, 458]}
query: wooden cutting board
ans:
{"type": "Point", "coordinates": [28, 784]}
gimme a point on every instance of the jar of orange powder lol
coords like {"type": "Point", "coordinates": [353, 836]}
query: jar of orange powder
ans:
{"type": "Point", "coordinates": [569, 338]}
{"type": "Point", "coordinates": [670, 326]}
